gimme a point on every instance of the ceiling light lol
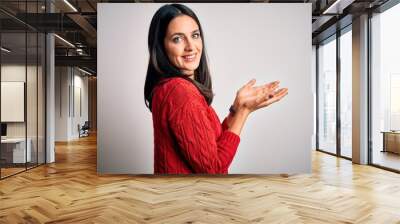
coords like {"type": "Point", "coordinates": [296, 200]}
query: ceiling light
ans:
{"type": "Point", "coordinates": [84, 71]}
{"type": "Point", "coordinates": [5, 50]}
{"type": "Point", "coordinates": [331, 7]}
{"type": "Point", "coordinates": [338, 6]}
{"type": "Point", "coordinates": [79, 51]}
{"type": "Point", "coordinates": [70, 5]}
{"type": "Point", "coordinates": [65, 41]}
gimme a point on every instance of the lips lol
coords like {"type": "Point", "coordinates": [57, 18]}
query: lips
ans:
{"type": "Point", "coordinates": [189, 58]}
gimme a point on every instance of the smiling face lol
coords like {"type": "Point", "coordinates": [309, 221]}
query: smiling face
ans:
{"type": "Point", "coordinates": [183, 44]}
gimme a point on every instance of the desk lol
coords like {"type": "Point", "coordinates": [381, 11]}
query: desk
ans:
{"type": "Point", "coordinates": [13, 150]}
{"type": "Point", "coordinates": [391, 141]}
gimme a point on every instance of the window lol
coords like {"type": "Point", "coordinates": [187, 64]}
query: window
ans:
{"type": "Point", "coordinates": [327, 96]}
{"type": "Point", "coordinates": [22, 65]}
{"type": "Point", "coordinates": [346, 93]}
{"type": "Point", "coordinates": [385, 88]}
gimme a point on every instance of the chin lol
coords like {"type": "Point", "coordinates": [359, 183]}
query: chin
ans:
{"type": "Point", "coordinates": [192, 67]}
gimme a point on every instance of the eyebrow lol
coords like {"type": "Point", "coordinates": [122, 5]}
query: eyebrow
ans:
{"type": "Point", "coordinates": [182, 34]}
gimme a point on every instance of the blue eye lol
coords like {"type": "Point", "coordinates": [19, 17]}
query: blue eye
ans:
{"type": "Point", "coordinates": [176, 39]}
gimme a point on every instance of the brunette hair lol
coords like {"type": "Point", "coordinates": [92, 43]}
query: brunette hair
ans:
{"type": "Point", "coordinates": [160, 67]}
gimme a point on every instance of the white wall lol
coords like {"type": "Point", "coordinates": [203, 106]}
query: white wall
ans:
{"type": "Point", "coordinates": [68, 81]}
{"type": "Point", "coordinates": [62, 80]}
{"type": "Point", "coordinates": [79, 117]}
{"type": "Point", "coordinates": [263, 41]}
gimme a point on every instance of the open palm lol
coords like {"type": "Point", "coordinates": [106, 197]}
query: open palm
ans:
{"type": "Point", "coordinates": [252, 97]}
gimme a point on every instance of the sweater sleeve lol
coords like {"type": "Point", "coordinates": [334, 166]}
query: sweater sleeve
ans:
{"type": "Point", "coordinates": [193, 131]}
{"type": "Point", "coordinates": [225, 124]}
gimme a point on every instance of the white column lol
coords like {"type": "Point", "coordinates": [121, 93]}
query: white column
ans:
{"type": "Point", "coordinates": [50, 100]}
{"type": "Point", "coordinates": [50, 92]}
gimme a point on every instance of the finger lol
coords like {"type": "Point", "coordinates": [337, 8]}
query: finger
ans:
{"type": "Point", "coordinates": [270, 88]}
{"type": "Point", "coordinates": [271, 84]}
{"type": "Point", "coordinates": [281, 92]}
{"type": "Point", "coordinates": [274, 86]}
{"type": "Point", "coordinates": [266, 90]}
{"type": "Point", "coordinates": [276, 82]}
{"type": "Point", "coordinates": [267, 87]}
{"type": "Point", "coordinates": [251, 83]}
{"type": "Point", "coordinates": [248, 84]}
{"type": "Point", "coordinates": [278, 96]}
{"type": "Point", "coordinates": [270, 91]}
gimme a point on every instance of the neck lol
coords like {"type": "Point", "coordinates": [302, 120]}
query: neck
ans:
{"type": "Point", "coordinates": [189, 74]}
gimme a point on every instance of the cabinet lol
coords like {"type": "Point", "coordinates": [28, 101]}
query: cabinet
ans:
{"type": "Point", "coordinates": [391, 141]}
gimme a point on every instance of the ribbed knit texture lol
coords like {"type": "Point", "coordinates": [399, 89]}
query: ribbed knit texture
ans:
{"type": "Point", "coordinates": [188, 135]}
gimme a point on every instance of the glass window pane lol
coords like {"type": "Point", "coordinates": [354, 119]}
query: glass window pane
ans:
{"type": "Point", "coordinates": [13, 86]}
{"type": "Point", "coordinates": [346, 94]}
{"type": "Point", "coordinates": [327, 97]}
{"type": "Point", "coordinates": [31, 101]}
{"type": "Point", "coordinates": [23, 84]}
{"type": "Point", "coordinates": [386, 89]}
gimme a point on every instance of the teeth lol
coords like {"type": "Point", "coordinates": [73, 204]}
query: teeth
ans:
{"type": "Point", "coordinates": [189, 57]}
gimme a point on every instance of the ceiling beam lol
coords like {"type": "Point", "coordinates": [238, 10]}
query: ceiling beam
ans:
{"type": "Point", "coordinates": [84, 24]}
{"type": "Point", "coordinates": [84, 61]}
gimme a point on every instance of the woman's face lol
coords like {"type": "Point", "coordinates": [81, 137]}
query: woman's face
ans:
{"type": "Point", "coordinates": [183, 44]}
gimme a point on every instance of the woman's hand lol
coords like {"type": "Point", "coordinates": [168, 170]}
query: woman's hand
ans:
{"type": "Point", "coordinates": [250, 98]}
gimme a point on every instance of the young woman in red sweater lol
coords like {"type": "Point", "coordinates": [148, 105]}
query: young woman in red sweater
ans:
{"type": "Point", "coordinates": [188, 136]}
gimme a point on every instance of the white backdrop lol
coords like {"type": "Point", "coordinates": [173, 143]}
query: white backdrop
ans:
{"type": "Point", "coordinates": [243, 41]}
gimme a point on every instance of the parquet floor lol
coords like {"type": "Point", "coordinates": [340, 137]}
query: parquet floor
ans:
{"type": "Point", "coordinates": [70, 191]}
{"type": "Point", "coordinates": [10, 171]}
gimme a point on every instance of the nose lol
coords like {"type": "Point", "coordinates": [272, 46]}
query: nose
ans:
{"type": "Point", "coordinates": [189, 45]}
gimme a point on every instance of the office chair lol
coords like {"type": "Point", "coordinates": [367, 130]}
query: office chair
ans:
{"type": "Point", "coordinates": [84, 130]}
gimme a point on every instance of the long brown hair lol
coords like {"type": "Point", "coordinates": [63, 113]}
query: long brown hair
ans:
{"type": "Point", "coordinates": [160, 67]}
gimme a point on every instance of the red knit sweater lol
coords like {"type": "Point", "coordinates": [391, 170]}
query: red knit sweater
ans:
{"type": "Point", "coordinates": [188, 135]}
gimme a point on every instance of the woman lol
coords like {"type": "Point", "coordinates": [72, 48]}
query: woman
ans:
{"type": "Point", "coordinates": [188, 136]}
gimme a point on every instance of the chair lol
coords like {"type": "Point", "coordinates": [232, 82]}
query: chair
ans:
{"type": "Point", "coordinates": [84, 130]}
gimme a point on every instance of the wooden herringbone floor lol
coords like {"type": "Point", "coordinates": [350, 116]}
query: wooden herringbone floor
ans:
{"type": "Point", "coordinates": [70, 191]}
